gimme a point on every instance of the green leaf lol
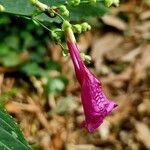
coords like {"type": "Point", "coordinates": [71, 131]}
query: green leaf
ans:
{"type": "Point", "coordinates": [18, 7]}
{"type": "Point", "coordinates": [55, 84]}
{"type": "Point", "coordinates": [4, 20]}
{"type": "Point", "coordinates": [11, 137]}
{"type": "Point", "coordinates": [45, 18]}
{"type": "Point", "coordinates": [83, 11]}
{"type": "Point", "coordinates": [12, 41]}
{"type": "Point", "coordinates": [28, 39]}
{"type": "Point", "coordinates": [10, 60]}
{"type": "Point", "coordinates": [52, 65]}
{"type": "Point", "coordinates": [33, 69]}
{"type": "Point", "coordinates": [25, 8]}
{"type": "Point", "coordinates": [4, 49]}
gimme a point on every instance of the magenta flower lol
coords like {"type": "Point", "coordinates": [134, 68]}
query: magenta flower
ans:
{"type": "Point", "coordinates": [95, 104]}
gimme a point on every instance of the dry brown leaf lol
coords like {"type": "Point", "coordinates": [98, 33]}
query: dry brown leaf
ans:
{"type": "Point", "coordinates": [143, 133]}
{"type": "Point", "coordinates": [124, 76]}
{"type": "Point", "coordinates": [144, 106]}
{"type": "Point", "coordinates": [85, 41]}
{"type": "Point", "coordinates": [145, 15]}
{"type": "Point", "coordinates": [57, 141]}
{"type": "Point", "coordinates": [104, 130]}
{"type": "Point", "coordinates": [120, 51]}
{"type": "Point", "coordinates": [54, 52]}
{"type": "Point", "coordinates": [103, 45]}
{"type": "Point", "coordinates": [12, 107]}
{"type": "Point", "coordinates": [81, 147]}
{"type": "Point", "coordinates": [131, 55]}
{"type": "Point", "coordinates": [143, 27]}
{"type": "Point", "coordinates": [114, 22]}
{"type": "Point", "coordinates": [147, 2]}
{"type": "Point", "coordinates": [46, 142]}
{"type": "Point", "coordinates": [142, 64]}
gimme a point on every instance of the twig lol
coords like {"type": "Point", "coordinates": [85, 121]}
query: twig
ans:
{"type": "Point", "coordinates": [41, 116]}
{"type": "Point", "coordinates": [1, 81]}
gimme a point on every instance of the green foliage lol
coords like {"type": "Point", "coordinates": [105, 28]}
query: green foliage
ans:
{"type": "Point", "coordinates": [25, 8]}
{"type": "Point", "coordinates": [6, 54]}
{"type": "Point", "coordinates": [7, 59]}
{"type": "Point", "coordinates": [83, 11]}
{"type": "Point", "coordinates": [11, 137]}
{"type": "Point", "coordinates": [55, 84]}
{"type": "Point", "coordinates": [17, 43]}
{"type": "Point", "coordinates": [33, 69]}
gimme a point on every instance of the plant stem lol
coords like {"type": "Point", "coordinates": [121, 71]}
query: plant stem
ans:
{"type": "Point", "coordinates": [87, 2]}
{"type": "Point", "coordinates": [42, 24]}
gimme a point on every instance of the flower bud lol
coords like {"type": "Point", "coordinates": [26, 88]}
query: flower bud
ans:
{"type": "Point", "coordinates": [64, 10]}
{"type": "Point", "coordinates": [77, 28]}
{"type": "Point", "coordinates": [108, 3]}
{"type": "Point", "coordinates": [33, 1]}
{"type": "Point", "coordinates": [52, 10]}
{"type": "Point", "coordinates": [65, 52]}
{"type": "Point", "coordinates": [88, 27]}
{"type": "Point", "coordinates": [38, 4]}
{"type": "Point", "coordinates": [56, 34]}
{"type": "Point", "coordinates": [66, 25]}
{"type": "Point", "coordinates": [65, 13]}
{"type": "Point", "coordinates": [52, 14]}
{"type": "Point", "coordinates": [92, 1]}
{"type": "Point", "coordinates": [116, 2]}
{"type": "Point", "coordinates": [85, 26]}
{"type": "Point", "coordinates": [85, 57]}
{"type": "Point", "coordinates": [62, 7]}
{"type": "Point", "coordinates": [73, 2]}
{"type": "Point", "coordinates": [2, 8]}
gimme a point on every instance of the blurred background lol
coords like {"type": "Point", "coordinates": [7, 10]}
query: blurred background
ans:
{"type": "Point", "coordinates": [49, 110]}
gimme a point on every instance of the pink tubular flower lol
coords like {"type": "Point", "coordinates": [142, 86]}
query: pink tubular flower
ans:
{"type": "Point", "coordinates": [95, 104]}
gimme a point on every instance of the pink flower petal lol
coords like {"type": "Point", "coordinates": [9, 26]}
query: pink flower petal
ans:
{"type": "Point", "coordinates": [95, 104]}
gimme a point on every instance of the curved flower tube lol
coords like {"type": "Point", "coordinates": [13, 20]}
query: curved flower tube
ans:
{"type": "Point", "coordinates": [95, 104]}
